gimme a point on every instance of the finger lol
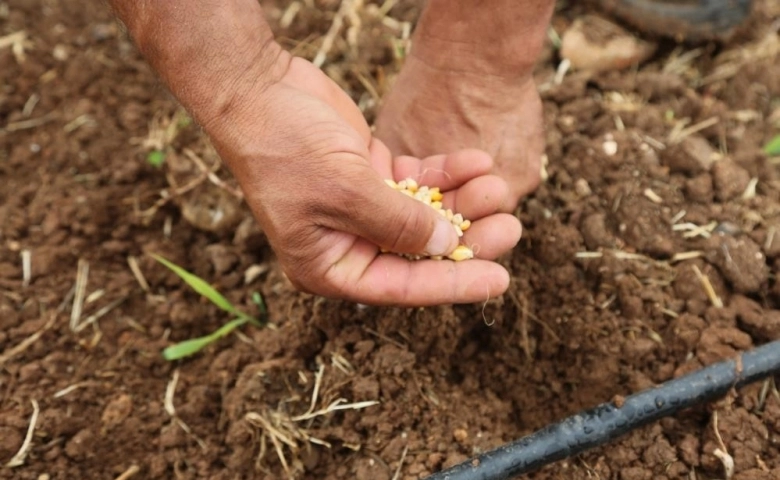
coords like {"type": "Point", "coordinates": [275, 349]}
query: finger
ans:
{"type": "Point", "coordinates": [372, 210]}
{"type": "Point", "coordinates": [444, 171]}
{"type": "Point", "coordinates": [493, 236]}
{"type": "Point", "coordinates": [392, 280]}
{"type": "Point", "coordinates": [380, 158]}
{"type": "Point", "coordinates": [477, 198]}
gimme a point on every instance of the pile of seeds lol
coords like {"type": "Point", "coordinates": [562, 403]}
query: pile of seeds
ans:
{"type": "Point", "coordinates": [432, 197]}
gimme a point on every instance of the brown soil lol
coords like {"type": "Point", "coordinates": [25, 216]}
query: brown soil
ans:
{"type": "Point", "coordinates": [627, 159]}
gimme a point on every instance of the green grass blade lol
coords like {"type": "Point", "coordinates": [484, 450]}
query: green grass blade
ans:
{"type": "Point", "coordinates": [200, 286]}
{"type": "Point", "coordinates": [193, 346]}
{"type": "Point", "coordinates": [773, 147]}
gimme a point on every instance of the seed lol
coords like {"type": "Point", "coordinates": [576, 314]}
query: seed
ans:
{"type": "Point", "coordinates": [432, 196]}
{"type": "Point", "coordinates": [461, 253]}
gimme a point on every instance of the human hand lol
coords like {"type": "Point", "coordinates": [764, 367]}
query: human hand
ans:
{"type": "Point", "coordinates": [432, 110]}
{"type": "Point", "coordinates": [313, 177]}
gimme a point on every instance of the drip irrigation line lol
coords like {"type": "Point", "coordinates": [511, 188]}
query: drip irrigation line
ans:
{"type": "Point", "coordinates": [607, 421]}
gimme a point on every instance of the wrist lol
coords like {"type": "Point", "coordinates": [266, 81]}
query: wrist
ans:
{"type": "Point", "coordinates": [502, 40]}
{"type": "Point", "coordinates": [210, 55]}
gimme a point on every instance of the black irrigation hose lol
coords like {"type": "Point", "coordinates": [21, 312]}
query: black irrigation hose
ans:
{"type": "Point", "coordinates": [607, 422]}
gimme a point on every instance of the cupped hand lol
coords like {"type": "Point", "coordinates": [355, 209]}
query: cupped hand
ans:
{"type": "Point", "coordinates": [314, 179]}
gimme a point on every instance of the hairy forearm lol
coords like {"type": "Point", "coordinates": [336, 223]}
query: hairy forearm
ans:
{"type": "Point", "coordinates": [503, 37]}
{"type": "Point", "coordinates": [208, 52]}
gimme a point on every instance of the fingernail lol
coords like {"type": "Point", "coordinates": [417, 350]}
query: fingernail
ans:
{"type": "Point", "coordinates": [444, 239]}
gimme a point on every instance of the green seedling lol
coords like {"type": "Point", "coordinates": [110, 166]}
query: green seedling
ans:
{"type": "Point", "coordinates": [773, 147]}
{"type": "Point", "coordinates": [192, 346]}
{"type": "Point", "coordinates": [156, 158]}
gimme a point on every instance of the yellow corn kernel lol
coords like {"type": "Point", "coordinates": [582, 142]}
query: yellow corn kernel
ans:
{"type": "Point", "coordinates": [432, 196]}
{"type": "Point", "coordinates": [461, 253]}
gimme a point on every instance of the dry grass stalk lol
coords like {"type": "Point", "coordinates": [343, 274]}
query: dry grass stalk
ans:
{"type": "Point", "coordinates": [283, 429]}
{"type": "Point", "coordinates": [387, 5]}
{"type": "Point", "coordinates": [162, 131]}
{"type": "Point", "coordinates": [670, 313]}
{"type": "Point", "coordinates": [618, 102]}
{"type": "Point", "coordinates": [289, 14]}
{"type": "Point", "coordinates": [129, 473]}
{"type": "Point", "coordinates": [28, 124]}
{"type": "Point", "coordinates": [354, 24]}
{"type": "Point", "coordinates": [589, 254]}
{"type": "Point", "coordinates": [26, 267]}
{"type": "Point", "coordinates": [680, 61]}
{"type": "Point", "coordinates": [19, 42]}
{"type": "Point", "coordinates": [385, 338]}
{"type": "Point", "coordinates": [397, 474]}
{"type": "Point", "coordinates": [734, 60]}
{"type": "Point", "coordinates": [25, 344]}
{"type": "Point", "coordinates": [94, 296]}
{"type": "Point", "coordinates": [170, 391]}
{"type": "Point", "coordinates": [71, 388]}
{"type": "Point", "coordinates": [680, 133]}
{"type": "Point", "coordinates": [79, 122]}
{"type": "Point", "coordinates": [652, 196]}
{"type": "Point", "coordinates": [338, 361]}
{"type": "Point", "coordinates": [722, 452]}
{"type": "Point", "coordinates": [21, 455]}
{"type": "Point", "coordinates": [620, 255]}
{"type": "Point", "coordinates": [335, 406]}
{"type": "Point", "coordinates": [82, 275]}
{"type": "Point", "coordinates": [750, 190]}
{"type": "Point", "coordinates": [99, 314]}
{"type": "Point", "coordinates": [166, 196]}
{"type": "Point", "coordinates": [132, 262]}
{"type": "Point", "coordinates": [708, 289]}
{"type": "Point", "coordinates": [678, 216]}
{"type": "Point", "coordinates": [770, 237]}
{"type": "Point", "coordinates": [210, 173]}
{"type": "Point", "coordinates": [561, 71]}
{"type": "Point", "coordinates": [544, 175]}
{"type": "Point", "coordinates": [682, 256]}
{"type": "Point", "coordinates": [692, 230]}
{"type": "Point", "coordinates": [333, 31]}
{"type": "Point", "coordinates": [657, 144]}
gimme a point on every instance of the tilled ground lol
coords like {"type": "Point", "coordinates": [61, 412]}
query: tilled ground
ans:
{"type": "Point", "coordinates": [657, 179]}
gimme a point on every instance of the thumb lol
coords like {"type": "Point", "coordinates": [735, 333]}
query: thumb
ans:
{"type": "Point", "coordinates": [401, 224]}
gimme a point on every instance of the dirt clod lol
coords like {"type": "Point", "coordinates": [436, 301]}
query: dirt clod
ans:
{"type": "Point", "coordinates": [740, 260]}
